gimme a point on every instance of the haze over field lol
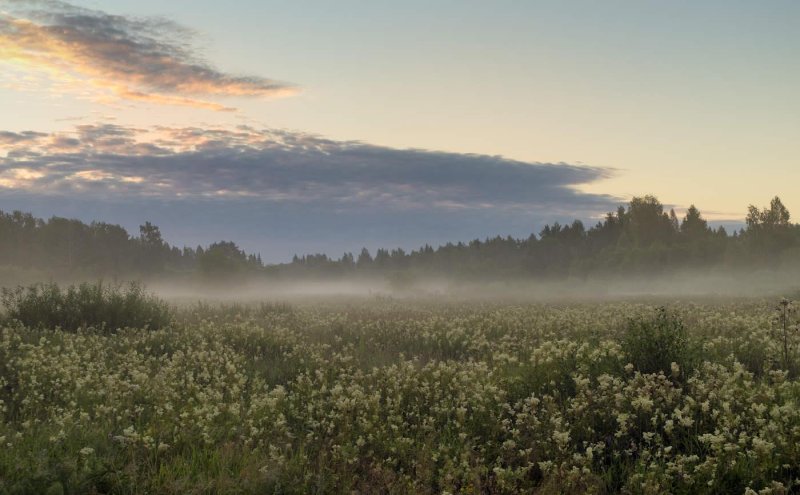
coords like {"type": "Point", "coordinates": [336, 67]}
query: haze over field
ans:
{"type": "Point", "coordinates": [448, 247]}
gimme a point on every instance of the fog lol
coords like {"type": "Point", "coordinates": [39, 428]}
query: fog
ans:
{"type": "Point", "coordinates": [678, 285]}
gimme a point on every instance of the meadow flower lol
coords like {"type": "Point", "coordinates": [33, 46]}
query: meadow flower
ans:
{"type": "Point", "coordinates": [493, 391]}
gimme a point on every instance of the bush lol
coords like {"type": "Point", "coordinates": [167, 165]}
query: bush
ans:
{"type": "Point", "coordinates": [86, 305]}
{"type": "Point", "coordinates": [653, 344]}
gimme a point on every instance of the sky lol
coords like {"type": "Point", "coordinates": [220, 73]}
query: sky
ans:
{"type": "Point", "coordinates": [316, 126]}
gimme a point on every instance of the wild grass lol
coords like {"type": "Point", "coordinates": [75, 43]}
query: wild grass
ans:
{"type": "Point", "coordinates": [98, 305]}
{"type": "Point", "coordinates": [405, 397]}
{"type": "Point", "coordinates": [657, 343]}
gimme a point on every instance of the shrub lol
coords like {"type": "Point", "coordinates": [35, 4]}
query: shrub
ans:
{"type": "Point", "coordinates": [652, 344]}
{"type": "Point", "coordinates": [86, 305]}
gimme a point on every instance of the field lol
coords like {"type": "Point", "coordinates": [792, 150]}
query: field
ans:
{"type": "Point", "coordinates": [405, 396]}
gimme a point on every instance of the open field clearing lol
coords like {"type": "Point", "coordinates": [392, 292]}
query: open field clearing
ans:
{"type": "Point", "coordinates": [399, 248]}
{"type": "Point", "coordinates": [383, 396]}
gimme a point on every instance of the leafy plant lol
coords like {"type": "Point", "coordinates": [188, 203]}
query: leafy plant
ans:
{"type": "Point", "coordinates": [86, 305]}
{"type": "Point", "coordinates": [787, 329]}
{"type": "Point", "coordinates": [653, 344]}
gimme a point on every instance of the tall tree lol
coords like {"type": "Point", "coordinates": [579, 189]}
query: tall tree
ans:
{"type": "Point", "coordinates": [647, 222]}
{"type": "Point", "coordinates": [694, 226]}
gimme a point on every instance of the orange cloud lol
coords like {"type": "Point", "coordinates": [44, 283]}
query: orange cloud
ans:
{"type": "Point", "coordinates": [130, 58]}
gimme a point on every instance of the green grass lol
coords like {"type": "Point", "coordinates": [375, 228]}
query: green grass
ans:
{"type": "Point", "coordinates": [404, 397]}
{"type": "Point", "coordinates": [96, 305]}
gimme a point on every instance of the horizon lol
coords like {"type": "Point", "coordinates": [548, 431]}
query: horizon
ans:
{"type": "Point", "coordinates": [730, 228]}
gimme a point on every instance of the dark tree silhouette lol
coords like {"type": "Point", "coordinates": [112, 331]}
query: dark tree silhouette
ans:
{"type": "Point", "coordinates": [637, 238]}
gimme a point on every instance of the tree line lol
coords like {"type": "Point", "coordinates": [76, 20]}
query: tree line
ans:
{"type": "Point", "coordinates": [640, 237]}
{"type": "Point", "coordinates": [64, 248]}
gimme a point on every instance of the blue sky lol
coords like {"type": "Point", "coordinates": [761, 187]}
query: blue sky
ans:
{"type": "Point", "coordinates": [692, 101]}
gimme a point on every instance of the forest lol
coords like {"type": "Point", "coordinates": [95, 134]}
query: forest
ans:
{"type": "Point", "coordinates": [639, 238]}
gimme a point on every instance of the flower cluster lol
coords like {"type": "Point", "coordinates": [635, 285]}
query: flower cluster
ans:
{"type": "Point", "coordinates": [403, 397]}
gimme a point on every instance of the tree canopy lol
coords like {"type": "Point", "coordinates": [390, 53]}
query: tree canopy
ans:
{"type": "Point", "coordinates": [640, 237]}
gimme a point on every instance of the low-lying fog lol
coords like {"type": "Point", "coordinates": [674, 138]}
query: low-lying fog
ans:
{"type": "Point", "coordinates": [740, 283]}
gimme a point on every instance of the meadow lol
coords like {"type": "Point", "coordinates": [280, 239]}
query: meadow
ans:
{"type": "Point", "coordinates": [381, 395]}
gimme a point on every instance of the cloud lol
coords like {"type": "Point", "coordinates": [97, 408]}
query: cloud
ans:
{"type": "Point", "coordinates": [16, 138]}
{"type": "Point", "coordinates": [132, 58]}
{"type": "Point", "coordinates": [282, 192]}
{"type": "Point", "coordinates": [272, 165]}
